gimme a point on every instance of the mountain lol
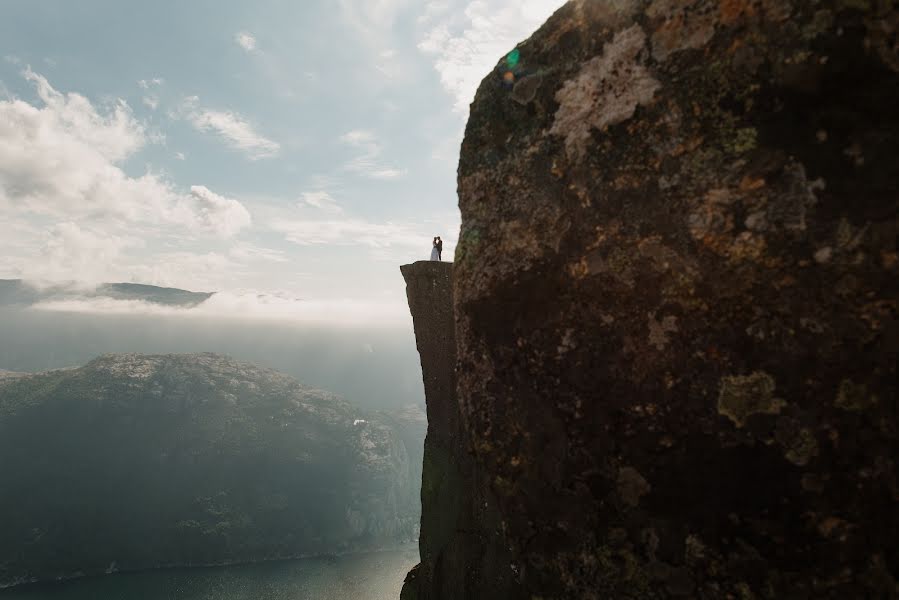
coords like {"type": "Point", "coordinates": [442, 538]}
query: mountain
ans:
{"type": "Point", "coordinates": [21, 293]}
{"type": "Point", "coordinates": [140, 461]}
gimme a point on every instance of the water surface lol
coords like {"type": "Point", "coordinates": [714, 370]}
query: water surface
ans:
{"type": "Point", "coordinates": [374, 576]}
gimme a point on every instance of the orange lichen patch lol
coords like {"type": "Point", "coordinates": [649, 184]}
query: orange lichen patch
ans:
{"type": "Point", "coordinates": [773, 262]}
{"type": "Point", "coordinates": [579, 269]}
{"type": "Point", "coordinates": [831, 526]}
{"type": "Point", "coordinates": [626, 181]}
{"type": "Point", "coordinates": [582, 195]}
{"type": "Point", "coordinates": [731, 10]}
{"type": "Point", "coordinates": [556, 170]}
{"type": "Point", "coordinates": [785, 281]}
{"type": "Point", "coordinates": [604, 234]}
{"type": "Point", "coordinates": [686, 25]}
{"type": "Point", "coordinates": [776, 10]}
{"type": "Point", "coordinates": [877, 312]}
{"type": "Point", "coordinates": [664, 258]}
{"type": "Point", "coordinates": [567, 26]}
{"type": "Point", "coordinates": [751, 183]}
{"type": "Point", "coordinates": [747, 247]}
{"type": "Point", "coordinates": [688, 146]}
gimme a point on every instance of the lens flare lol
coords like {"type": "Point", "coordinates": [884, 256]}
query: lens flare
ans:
{"type": "Point", "coordinates": [512, 58]}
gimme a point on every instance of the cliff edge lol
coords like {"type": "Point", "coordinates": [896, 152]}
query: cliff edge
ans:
{"type": "Point", "coordinates": [676, 299]}
{"type": "Point", "coordinates": [460, 557]}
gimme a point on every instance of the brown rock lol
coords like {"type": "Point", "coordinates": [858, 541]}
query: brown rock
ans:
{"type": "Point", "coordinates": [640, 260]}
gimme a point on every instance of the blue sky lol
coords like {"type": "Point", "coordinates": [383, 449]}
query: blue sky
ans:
{"type": "Point", "coordinates": [270, 149]}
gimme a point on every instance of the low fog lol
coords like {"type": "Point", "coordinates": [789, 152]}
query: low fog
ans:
{"type": "Point", "coordinates": [374, 367]}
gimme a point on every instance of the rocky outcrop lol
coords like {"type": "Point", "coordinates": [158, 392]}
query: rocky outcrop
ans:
{"type": "Point", "coordinates": [460, 556]}
{"type": "Point", "coordinates": [676, 299]}
{"type": "Point", "coordinates": [141, 461]}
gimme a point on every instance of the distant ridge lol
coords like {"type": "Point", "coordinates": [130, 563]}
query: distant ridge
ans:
{"type": "Point", "coordinates": [19, 292]}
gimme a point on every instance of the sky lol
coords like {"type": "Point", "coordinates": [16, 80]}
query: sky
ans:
{"type": "Point", "coordinates": [270, 149]}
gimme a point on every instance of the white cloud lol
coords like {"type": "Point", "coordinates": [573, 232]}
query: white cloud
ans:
{"type": "Point", "coordinates": [233, 128]}
{"type": "Point", "coordinates": [465, 48]}
{"type": "Point", "coordinates": [245, 41]}
{"type": "Point", "coordinates": [191, 270]}
{"type": "Point", "coordinates": [349, 232]}
{"type": "Point", "coordinates": [245, 251]}
{"type": "Point", "coordinates": [433, 10]}
{"type": "Point", "coordinates": [152, 102]}
{"type": "Point", "coordinates": [72, 249]}
{"type": "Point", "coordinates": [368, 163]}
{"type": "Point", "coordinates": [146, 84]}
{"type": "Point", "coordinates": [223, 216]}
{"type": "Point", "coordinates": [386, 241]}
{"type": "Point", "coordinates": [321, 200]}
{"type": "Point", "coordinates": [252, 305]}
{"type": "Point", "coordinates": [62, 161]}
{"type": "Point", "coordinates": [72, 117]}
{"type": "Point", "coordinates": [180, 156]}
{"type": "Point", "coordinates": [373, 19]}
{"type": "Point", "coordinates": [391, 242]}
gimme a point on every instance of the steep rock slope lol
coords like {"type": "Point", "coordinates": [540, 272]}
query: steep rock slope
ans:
{"type": "Point", "coordinates": [459, 524]}
{"type": "Point", "coordinates": [138, 461]}
{"type": "Point", "coordinates": [676, 299]}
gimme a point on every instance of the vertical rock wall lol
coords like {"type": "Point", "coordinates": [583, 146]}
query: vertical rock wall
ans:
{"type": "Point", "coordinates": [676, 299]}
{"type": "Point", "coordinates": [461, 553]}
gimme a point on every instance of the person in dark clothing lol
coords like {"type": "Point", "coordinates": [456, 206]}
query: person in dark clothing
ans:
{"type": "Point", "coordinates": [439, 248]}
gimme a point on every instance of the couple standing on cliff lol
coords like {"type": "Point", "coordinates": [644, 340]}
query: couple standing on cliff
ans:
{"type": "Point", "coordinates": [437, 249]}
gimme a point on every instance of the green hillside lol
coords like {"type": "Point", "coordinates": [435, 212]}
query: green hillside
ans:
{"type": "Point", "coordinates": [139, 461]}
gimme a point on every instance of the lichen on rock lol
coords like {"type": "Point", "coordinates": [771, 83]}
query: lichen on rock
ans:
{"type": "Point", "coordinates": [679, 268]}
{"type": "Point", "coordinates": [607, 90]}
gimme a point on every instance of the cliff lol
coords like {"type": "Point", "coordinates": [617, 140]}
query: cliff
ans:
{"type": "Point", "coordinates": [675, 295]}
{"type": "Point", "coordinates": [459, 524]}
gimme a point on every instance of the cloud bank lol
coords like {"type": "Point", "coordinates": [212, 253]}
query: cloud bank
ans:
{"type": "Point", "coordinates": [250, 305]}
{"type": "Point", "coordinates": [64, 159]}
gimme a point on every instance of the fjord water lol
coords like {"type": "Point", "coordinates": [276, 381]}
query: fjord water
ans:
{"type": "Point", "coordinates": [372, 576]}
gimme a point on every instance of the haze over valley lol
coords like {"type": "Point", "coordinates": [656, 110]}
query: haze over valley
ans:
{"type": "Point", "coordinates": [67, 325]}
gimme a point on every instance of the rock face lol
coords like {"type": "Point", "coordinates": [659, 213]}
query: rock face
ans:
{"type": "Point", "coordinates": [676, 299]}
{"type": "Point", "coordinates": [140, 461]}
{"type": "Point", "coordinates": [460, 556]}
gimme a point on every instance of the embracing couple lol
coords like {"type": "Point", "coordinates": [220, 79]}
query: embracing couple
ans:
{"type": "Point", "coordinates": [437, 249]}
